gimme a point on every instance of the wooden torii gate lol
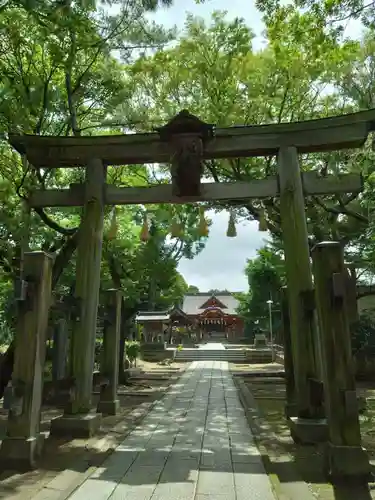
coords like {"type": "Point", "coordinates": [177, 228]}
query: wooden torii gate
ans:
{"type": "Point", "coordinates": [185, 142]}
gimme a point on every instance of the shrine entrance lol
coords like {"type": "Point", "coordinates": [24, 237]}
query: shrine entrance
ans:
{"type": "Point", "coordinates": [214, 325]}
{"type": "Point", "coordinates": [186, 142]}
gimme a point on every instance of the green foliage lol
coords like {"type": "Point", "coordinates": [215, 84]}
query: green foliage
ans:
{"type": "Point", "coordinates": [7, 311]}
{"type": "Point", "coordinates": [266, 275]}
{"type": "Point", "coordinates": [331, 16]}
{"type": "Point", "coordinates": [363, 334]}
{"type": "Point", "coordinates": [59, 75]}
{"type": "Point", "coordinates": [132, 349]}
{"type": "Point", "coordinates": [304, 72]}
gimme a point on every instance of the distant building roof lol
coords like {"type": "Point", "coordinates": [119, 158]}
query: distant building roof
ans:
{"type": "Point", "coordinates": [177, 311]}
{"type": "Point", "coordinates": [153, 316]}
{"type": "Point", "coordinates": [193, 302]}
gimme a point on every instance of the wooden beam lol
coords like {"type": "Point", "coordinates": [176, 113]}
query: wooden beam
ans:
{"type": "Point", "coordinates": [334, 133]}
{"type": "Point", "coordinates": [163, 193]}
{"type": "Point", "coordinates": [332, 184]}
{"type": "Point", "coordinates": [72, 197]}
{"type": "Point", "coordinates": [263, 188]}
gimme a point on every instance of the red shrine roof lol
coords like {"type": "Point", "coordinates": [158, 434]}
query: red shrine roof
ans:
{"type": "Point", "coordinates": [196, 303]}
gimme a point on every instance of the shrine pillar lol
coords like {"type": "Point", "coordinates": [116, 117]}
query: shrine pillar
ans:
{"type": "Point", "coordinates": [23, 442]}
{"type": "Point", "coordinates": [79, 420]}
{"type": "Point", "coordinates": [60, 349]}
{"type": "Point", "coordinates": [109, 403]}
{"type": "Point", "coordinates": [345, 456]}
{"type": "Point", "coordinates": [306, 425]}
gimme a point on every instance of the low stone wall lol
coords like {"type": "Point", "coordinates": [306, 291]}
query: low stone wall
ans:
{"type": "Point", "coordinates": [364, 364]}
{"type": "Point", "coordinates": [259, 356]}
{"type": "Point", "coordinates": [279, 358]}
{"type": "Point", "coordinates": [155, 352]}
{"type": "Point", "coordinates": [240, 341]}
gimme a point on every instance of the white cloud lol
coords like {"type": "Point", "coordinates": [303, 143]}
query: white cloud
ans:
{"type": "Point", "coordinates": [221, 264]}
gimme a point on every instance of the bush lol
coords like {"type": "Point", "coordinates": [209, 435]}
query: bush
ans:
{"type": "Point", "coordinates": [363, 335]}
{"type": "Point", "coordinates": [132, 349]}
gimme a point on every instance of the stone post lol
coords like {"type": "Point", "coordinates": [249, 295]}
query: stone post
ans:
{"type": "Point", "coordinates": [290, 405]}
{"type": "Point", "coordinates": [109, 366]}
{"type": "Point", "coordinates": [345, 456]}
{"type": "Point", "coordinates": [60, 350]}
{"type": "Point", "coordinates": [307, 421]}
{"type": "Point", "coordinates": [78, 419]}
{"type": "Point", "coordinates": [352, 294]}
{"type": "Point", "coordinates": [23, 442]}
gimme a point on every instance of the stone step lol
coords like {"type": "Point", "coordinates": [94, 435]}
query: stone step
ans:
{"type": "Point", "coordinates": [208, 353]}
{"type": "Point", "coordinates": [215, 353]}
{"type": "Point", "coordinates": [207, 356]}
{"type": "Point", "coordinates": [212, 355]}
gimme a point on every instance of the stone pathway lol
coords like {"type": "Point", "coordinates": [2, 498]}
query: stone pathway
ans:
{"type": "Point", "coordinates": [194, 445]}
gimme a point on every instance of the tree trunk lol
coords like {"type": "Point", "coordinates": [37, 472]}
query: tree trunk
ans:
{"type": "Point", "coordinates": [63, 258]}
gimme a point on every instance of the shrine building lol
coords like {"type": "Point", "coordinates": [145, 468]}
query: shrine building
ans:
{"type": "Point", "coordinates": [210, 316]}
{"type": "Point", "coordinates": [214, 315]}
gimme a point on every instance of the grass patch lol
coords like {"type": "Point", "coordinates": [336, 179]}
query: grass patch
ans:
{"type": "Point", "coordinates": [293, 464]}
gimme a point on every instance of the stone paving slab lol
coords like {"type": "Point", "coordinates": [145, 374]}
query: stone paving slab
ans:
{"type": "Point", "coordinates": [195, 444]}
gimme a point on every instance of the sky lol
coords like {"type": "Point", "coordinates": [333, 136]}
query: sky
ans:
{"type": "Point", "coordinates": [221, 264]}
{"type": "Point", "coordinates": [176, 15]}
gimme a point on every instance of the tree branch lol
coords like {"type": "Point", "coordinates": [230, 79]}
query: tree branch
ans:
{"type": "Point", "coordinates": [53, 225]}
{"type": "Point", "coordinates": [63, 257]}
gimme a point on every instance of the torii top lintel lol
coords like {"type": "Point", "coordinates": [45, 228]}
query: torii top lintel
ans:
{"type": "Point", "coordinates": [325, 134]}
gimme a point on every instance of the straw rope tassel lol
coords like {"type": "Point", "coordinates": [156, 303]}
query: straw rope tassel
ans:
{"type": "Point", "coordinates": [177, 229]}
{"type": "Point", "coordinates": [231, 230]}
{"type": "Point", "coordinates": [203, 227]}
{"type": "Point", "coordinates": [112, 231]}
{"type": "Point", "coordinates": [145, 235]}
{"type": "Point", "coordinates": [262, 222]}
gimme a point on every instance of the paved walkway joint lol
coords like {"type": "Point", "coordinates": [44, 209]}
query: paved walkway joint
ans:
{"type": "Point", "coordinates": [194, 445]}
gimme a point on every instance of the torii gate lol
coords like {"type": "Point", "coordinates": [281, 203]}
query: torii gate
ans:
{"type": "Point", "coordinates": [184, 142]}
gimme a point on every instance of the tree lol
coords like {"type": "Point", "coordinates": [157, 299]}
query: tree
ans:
{"type": "Point", "coordinates": [192, 289]}
{"type": "Point", "coordinates": [147, 271]}
{"type": "Point", "coordinates": [266, 275]}
{"type": "Point", "coordinates": [348, 218]}
{"type": "Point", "coordinates": [305, 72]}
{"type": "Point", "coordinates": [58, 76]}
{"type": "Point", "coordinates": [284, 82]}
{"type": "Point", "coordinates": [331, 15]}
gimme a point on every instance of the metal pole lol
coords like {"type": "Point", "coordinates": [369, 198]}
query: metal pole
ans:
{"type": "Point", "coordinates": [271, 329]}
